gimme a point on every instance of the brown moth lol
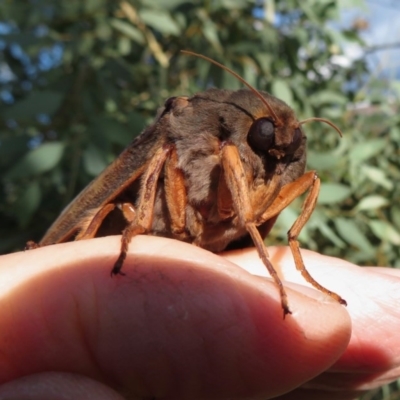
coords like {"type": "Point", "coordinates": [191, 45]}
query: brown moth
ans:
{"type": "Point", "coordinates": [214, 169]}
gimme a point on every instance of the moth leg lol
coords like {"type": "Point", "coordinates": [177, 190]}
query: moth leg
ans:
{"type": "Point", "coordinates": [264, 195]}
{"type": "Point", "coordinates": [308, 181]}
{"type": "Point", "coordinates": [128, 211]}
{"type": "Point", "coordinates": [235, 180]}
{"type": "Point", "coordinates": [90, 227]}
{"type": "Point", "coordinates": [195, 226]}
{"type": "Point", "coordinates": [287, 194]}
{"type": "Point", "coordinates": [145, 206]}
{"type": "Point", "coordinates": [308, 208]}
{"type": "Point", "coordinates": [175, 193]}
{"type": "Point", "coordinates": [224, 198]}
{"type": "Point", "coordinates": [31, 245]}
{"type": "Point", "coordinates": [92, 224]}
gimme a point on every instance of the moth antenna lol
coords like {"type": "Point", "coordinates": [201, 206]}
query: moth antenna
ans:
{"type": "Point", "coordinates": [326, 121]}
{"type": "Point", "coordinates": [239, 78]}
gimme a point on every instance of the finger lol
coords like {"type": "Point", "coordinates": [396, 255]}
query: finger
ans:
{"type": "Point", "coordinates": [56, 385]}
{"type": "Point", "coordinates": [395, 272]}
{"type": "Point", "coordinates": [315, 394]}
{"type": "Point", "coordinates": [182, 323]}
{"type": "Point", "coordinates": [373, 295]}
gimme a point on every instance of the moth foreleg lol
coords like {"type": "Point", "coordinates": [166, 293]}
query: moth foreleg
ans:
{"type": "Point", "coordinates": [145, 207]}
{"type": "Point", "coordinates": [176, 196]}
{"type": "Point", "coordinates": [286, 195]}
{"type": "Point", "coordinates": [263, 196]}
{"type": "Point", "coordinates": [224, 198]}
{"type": "Point", "coordinates": [307, 209]}
{"type": "Point", "coordinates": [308, 181]}
{"type": "Point", "coordinates": [235, 179]}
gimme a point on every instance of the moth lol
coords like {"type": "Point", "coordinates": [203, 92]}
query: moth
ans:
{"type": "Point", "coordinates": [214, 169]}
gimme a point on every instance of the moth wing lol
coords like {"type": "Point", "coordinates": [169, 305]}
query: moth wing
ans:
{"type": "Point", "coordinates": [116, 178]}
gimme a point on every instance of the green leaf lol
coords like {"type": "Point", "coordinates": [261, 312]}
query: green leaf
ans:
{"type": "Point", "coordinates": [385, 231]}
{"type": "Point", "coordinates": [166, 5]}
{"type": "Point", "coordinates": [160, 21]}
{"type": "Point", "coordinates": [281, 90]}
{"type": "Point", "coordinates": [104, 130]}
{"type": "Point", "coordinates": [233, 4]}
{"type": "Point", "coordinates": [309, 11]}
{"type": "Point", "coordinates": [27, 203]}
{"type": "Point", "coordinates": [372, 202]}
{"type": "Point", "coordinates": [211, 34]}
{"type": "Point", "coordinates": [37, 161]}
{"type": "Point", "coordinates": [348, 4]}
{"type": "Point", "coordinates": [327, 97]}
{"type": "Point", "coordinates": [124, 46]}
{"type": "Point", "coordinates": [92, 6]}
{"type": "Point", "coordinates": [349, 231]}
{"type": "Point", "coordinates": [264, 60]}
{"type": "Point", "coordinates": [321, 161]}
{"type": "Point", "coordinates": [395, 216]}
{"type": "Point", "coordinates": [377, 176]}
{"type": "Point", "coordinates": [331, 235]}
{"type": "Point", "coordinates": [93, 160]}
{"type": "Point", "coordinates": [210, 30]}
{"type": "Point", "coordinates": [229, 81]}
{"type": "Point", "coordinates": [44, 102]}
{"type": "Point", "coordinates": [12, 148]}
{"type": "Point", "coordinates": [333, 193]}
{"type": "Point", "coordinates": [286, 220]}
{"type": "Point", "coordinates": [128, 29]}
{"type": "Point", "coordinates": [367, 149]}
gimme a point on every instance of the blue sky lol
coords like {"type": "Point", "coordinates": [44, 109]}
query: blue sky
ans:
{"type": "Point", "coordinates": [383, 17]}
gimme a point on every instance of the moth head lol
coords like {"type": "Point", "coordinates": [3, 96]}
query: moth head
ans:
{"type": "Point", "coordinates": [278, 141]}
{"type": "Point", "coordinates": [266, 137]}
{"type": "Point", "coordinates": [273, 134]}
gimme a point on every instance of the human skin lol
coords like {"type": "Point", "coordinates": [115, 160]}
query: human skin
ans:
{"type": "Point", "coordinates": [184, 323]}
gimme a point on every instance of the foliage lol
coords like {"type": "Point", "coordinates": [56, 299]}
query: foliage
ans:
{"type": "Point", "coordinates": [80, 79]}
{"type": "Point", "coordinates": [86, 77]}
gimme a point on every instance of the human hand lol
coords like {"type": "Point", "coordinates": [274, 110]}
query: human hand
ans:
{"type": "Point", "coordinates": [187, 324]}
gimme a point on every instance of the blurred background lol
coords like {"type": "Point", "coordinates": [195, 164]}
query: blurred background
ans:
{"type": "Point", "coordinates": [79, 79]}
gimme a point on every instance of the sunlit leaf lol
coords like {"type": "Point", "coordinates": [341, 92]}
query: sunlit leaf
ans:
{"type": "Point", "coordinates": [349, 231]}
{"type": "Point", "coordinates": [385, 231]}
{"type": "Point", "coordinates": [321, 160]}
{"type": "Point", "coordinates": [327, 97]}
{"type": "Point", "coordinates": [365, 150]}
{"type": "Point", "coordinates": [93, 161]}
{"type": "Point", "coordinates": [331, 235]}
{"type": "Point", "coordinates": [37, 161]}
{"type": "Point", "coordinates": [372, 202]}
{"type": "Point", "coordinates": [282, 90]}
{"type": "Point", "coordinates": [377, 176]}
{"type": "Point", "coordinates": [160, 20]}
{"type": "Point", "coordinates": [333, 193]}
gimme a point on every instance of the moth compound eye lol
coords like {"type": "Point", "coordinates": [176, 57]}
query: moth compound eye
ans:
{"type": "Point", "coordinates": [296, 142]}
{"type": "Point", "coordinates": [261, 134]}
